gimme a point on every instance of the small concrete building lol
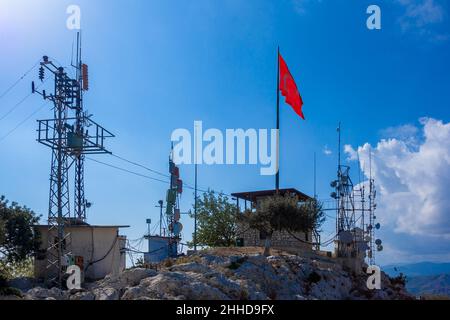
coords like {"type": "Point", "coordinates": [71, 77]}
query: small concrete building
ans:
{"type": "Point", "coordinates": [160, 248]}
{"type": "Point", "coordinates": [97, 250]}
{"type": "Point", "coordinates": [296, 243]}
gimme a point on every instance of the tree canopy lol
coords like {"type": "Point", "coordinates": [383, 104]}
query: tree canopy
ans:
{"type": "Point", "coordinates": [216, 220]}
{"type": "Point", "coordinates": [285, 213]}
{"type": "Point", "coordinates": [18, 239]}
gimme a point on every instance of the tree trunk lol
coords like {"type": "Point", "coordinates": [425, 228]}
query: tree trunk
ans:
{"type": "Point", "coordinates": [267, 244]}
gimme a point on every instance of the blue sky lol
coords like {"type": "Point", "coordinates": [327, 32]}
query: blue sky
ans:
{"type": "Point", "coordinates": [160, 65]}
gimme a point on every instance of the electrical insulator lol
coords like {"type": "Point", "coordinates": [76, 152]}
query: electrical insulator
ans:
{"type": "Point", "coordinates": [85, 75]}
{"type": "Point", "coordinates": [41, 73]}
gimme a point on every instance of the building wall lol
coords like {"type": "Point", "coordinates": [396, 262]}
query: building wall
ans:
{"type": "Point", "coordinates": [100, 246]}
{"type": "Point", "coordinates": [281, 240]}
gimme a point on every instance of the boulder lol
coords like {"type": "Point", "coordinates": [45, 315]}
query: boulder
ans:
{"type": "Point", "coordinates": [54, 293]}
{"type": "Point", "coordinates": [82, 295]}
{"type": "Point", "coordinates": [106, 293]}
{"type": "Point", "coordinates": [170, 285]}
{"type": "Point", "coordinates": [128, 278]}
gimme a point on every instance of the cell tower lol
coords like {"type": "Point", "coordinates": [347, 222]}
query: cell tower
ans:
{"type": "Point", "coordinates": [355, 220]}
{"type": "Point", "coordinates": [173, 206]}
{"type": "Point", "coordinates": [68, 137]}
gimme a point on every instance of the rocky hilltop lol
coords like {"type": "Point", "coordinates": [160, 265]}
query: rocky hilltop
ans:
{"type": "Point", "coordinates": [232, 274]}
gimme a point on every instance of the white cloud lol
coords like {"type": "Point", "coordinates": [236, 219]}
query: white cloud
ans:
{"type": "Point", "coordinates": [327, 151]}
{"type": "Point", "coordinates": [352, 154]}
{"type": "Point", "coordinates": [413, 182]}
{"type": "Point", "coordinates": [407, 133]}
{"type": "Point", "coordinates": [419, 13]}
{"type": "Point", "coordinates": [301, 5]}
{"type": "Point", "coordinates": [419, 17]}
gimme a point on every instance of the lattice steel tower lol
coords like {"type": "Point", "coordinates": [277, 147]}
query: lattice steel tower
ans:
{"type": "Point", "coordinates": [355, 218]}
{"type": "Point", "coordinates": [67, 136]}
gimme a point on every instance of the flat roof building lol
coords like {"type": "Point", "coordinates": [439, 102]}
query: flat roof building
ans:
{"type": "Point", "coordinates": [97, 250]}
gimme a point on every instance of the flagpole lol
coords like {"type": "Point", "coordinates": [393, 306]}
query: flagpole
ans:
{"type": "Point", "coordinates": [277, 177]}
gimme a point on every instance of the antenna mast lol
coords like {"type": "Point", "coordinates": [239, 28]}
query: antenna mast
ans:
{"type": "Point", "coordinates": [66, 136]}
{"type": "Point", "coordinates": [80, 201]}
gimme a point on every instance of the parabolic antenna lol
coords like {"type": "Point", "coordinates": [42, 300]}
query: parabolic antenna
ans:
{"type": "Point", "coordinates": [378, 242]}
{"type": "Point", "coordinates": [176, 228]}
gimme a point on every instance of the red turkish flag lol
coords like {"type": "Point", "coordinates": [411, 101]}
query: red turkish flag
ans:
{"type": "Point", "coordinates": [289, 89]}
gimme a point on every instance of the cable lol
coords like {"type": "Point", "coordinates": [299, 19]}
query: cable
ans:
{"type": "Point", "coordinates": [20, 102]}
{"type": "Point", "coordinates": [140, 165]}
{"type": "Point", "coordinates": [104, 257]}
{"type": "Point", "coordinates": [18, 80]}
{"type": "Point", "coordinates": [23, 121]}
{"type": "Point", "coordinates": [126, 170]}
{"type": "Point", "coordinates": [188, 186]}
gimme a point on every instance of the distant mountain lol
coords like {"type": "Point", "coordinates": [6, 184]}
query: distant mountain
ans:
{"type": "Point", "coordinates": [423, 278]}
{"type": "Point", "coordinates": [434, 285]}
{"type": "Point", "coordinates": [418, 269]}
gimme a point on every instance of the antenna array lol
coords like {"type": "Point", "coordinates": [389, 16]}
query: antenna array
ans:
{"type": "Point", "coordinates": [355, 218]}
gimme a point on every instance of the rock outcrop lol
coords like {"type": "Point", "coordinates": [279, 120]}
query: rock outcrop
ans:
{"type": "Point", "coordinates": [239, 276]}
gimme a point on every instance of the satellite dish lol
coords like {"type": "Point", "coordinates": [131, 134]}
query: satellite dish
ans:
{"type": "Point", "coordinates": [377, 226]}
{"type": "Point", "coordinates": [333, 195]}
{"type": "Point", "coordinates": [369, 227]}
{"type": "Point", "coordinates": [378, 242]}
{"type": "Point", "coordinates": [333, 184]}
{"type": "Point", "coordinates": [380, 248]}
{"type": "Point", "coordinates": [345, 237]}
{"type": "Point", "coordinates": [176, 228]}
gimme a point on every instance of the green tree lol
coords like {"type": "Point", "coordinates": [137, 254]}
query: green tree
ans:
{"type": "Point", "coordinates": [278, 213]}
{"type": "Point", "coordinates": [216, 220]}
{"type": "Point", "coordinates": [18, 239]}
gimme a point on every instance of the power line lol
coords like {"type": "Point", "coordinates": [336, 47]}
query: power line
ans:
{"type": "Point", "coordinates": [18, 80]}
{"type": "Point", "coordinates": [23, 121]}
{"type": "Point", "coordinates": [140, 165]}
{"type": "Point", "coordinates": [15, 106]}
{"type": "Point", "coordinates": [187, 185]}
{"type": "Point", "coordinates": [128, 171]}
{"type": "Point", "coordinates": [20, 102]}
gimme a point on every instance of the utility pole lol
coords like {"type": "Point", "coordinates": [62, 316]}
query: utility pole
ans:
{"type": "Point", "coordinates": [315, 193]}
{"type": "Point", "coordinates": [160, 205]}
{"type": "Point", "coordinates": [195, 208]}
{"type": "Point", "coordinates": [277, 176]}
{"type": "Point", "coordinates": [82, 78]}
